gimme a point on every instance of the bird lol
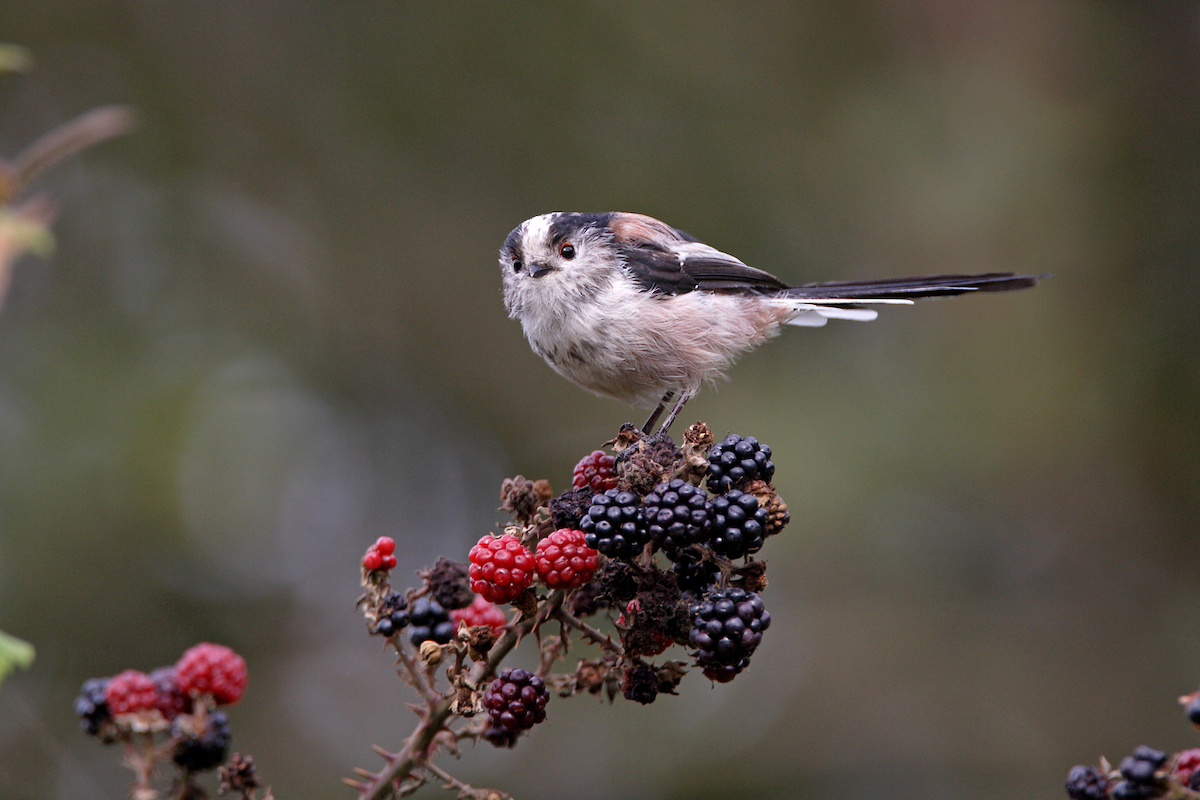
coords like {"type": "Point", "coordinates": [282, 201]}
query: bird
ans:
{"type": "Point", "coordinates": [628, 307]}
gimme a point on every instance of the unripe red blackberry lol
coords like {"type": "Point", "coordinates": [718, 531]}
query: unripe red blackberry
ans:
{"type": "Point", "coordinates": [596, 472]}
{"type": "Point", "coordinates": [727, 626]}
{"type": "Point", "coordinates": [212, 669]}
{"type": "Point", "coordinates": [480, 612]}
{"type": "Point", "coordinates": [429, 622]}
{"type": "Point", "coordinates": [615, 525]}
{"type": "Point", "coordinates": [1193, 710]}
{"type": "Point", "coordinates": [501, 569]}
{"type": "Point", "coordinates": [129, 692]}
{"type": "Point", "coordinates": [1086, 783]}
{"type": "Point", "coordinates": [380, 555]}
{"type": "Point", "coordinates": [736, 461]}
{"type": "Point", "coordinates": [205, 752]}
{"type": "Point", "coordinates": [516, 700]}
{"type": "Point", "coordinates": [739, 524]}
{"type": "Point", "coordinates": [677, 514]}
{"type": "Point", "coordinates": [1187, 765]}
{"type": "Point", "coordinates": [564, 561]}
{"type": "Point", "coordinates": [91, 705]}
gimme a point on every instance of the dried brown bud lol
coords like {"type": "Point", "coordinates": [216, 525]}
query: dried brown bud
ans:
{"type": "Point", "coordinates": [693, 467]}
{"type": "Point", "coordinates": [669, 675]}
{"type": "Point", "coordinates": [431, 652]}
{"type": "Point", "coordinates": [522, 497]}
{"type": "Point", "coordinates": [640, 683]}
{"type": "Point", "coordinates": [479, 639]}
{"type": "Point", "coordinates": [647, 463]}
{"type": "Point", "coordinates": [569, 507]}
{"type": "Point", "coordinates": [698, 436]}
{"type": "Point", "coordinates": [628, 436]}
{"type": "Point", "coordinates": [777, 510]}
{"type": "Point", "coordinates": [752, 576]}
{"type": "Point", "coordinates": [449, 583]}
{"type": "Point", "coordinates": [238, 775]}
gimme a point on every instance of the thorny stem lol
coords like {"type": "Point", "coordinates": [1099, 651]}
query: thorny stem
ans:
{"type": "Point", "coordinates": [416, 748]}
{"type": "Point", "coordinates": [593, 635]}
{"type": "Point", "coordinates": [465, 790]}
{"type": "Point", "coordinates": [419, 678]}
{"type": "Point", "coordinates": [142, 764]}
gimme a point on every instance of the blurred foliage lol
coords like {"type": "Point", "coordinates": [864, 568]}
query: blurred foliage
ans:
{"type": "Point", "coordinates": [14, 653]}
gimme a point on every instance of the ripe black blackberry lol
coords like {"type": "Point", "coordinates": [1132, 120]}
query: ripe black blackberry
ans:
{"type": "Point", "coordinates": [1193, 710]}
{"type": "Point", "coordinates": [450, 584]}
{"type": "Point", "coordinates": [393, 615]}
{"type": "Point", "coordinates": [516, 700]}
{"type": "Point", "coordinates": [1139, 771]}
{"type": "Point", "coordinates": [197, 754]}
{"type": "Point", "coordinates": [739, 524]}
{"type": "Point", "coordinates": [429, 622]}
{"type": "Point", "coordinates": [727, 626]}
{"type": "Point", "coordinates": [677, 514]}
{"type": "Point", "coordinates": [1086, 783]}
{"type": "Point", "coordinates": [736, 461]}
{"type": "Point", "coordinates": [693, 574]}
{"type": "Point", "coordinates": [615, 524]}
{"type": "Point", "coordinates": [91, 707]}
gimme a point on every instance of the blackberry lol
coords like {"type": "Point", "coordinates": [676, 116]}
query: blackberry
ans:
{"type": "Point", "coordinates": [694, 574]}
{"type": "Point", "coordinates": [615, 524]}
{"type": "Point", "coordinates": [91, 706]}
{"type": "Point", "coordinates": [1187, 767]}
{"type": "Point", "coordinates": [480, 612]}
{"type": "Point", "coordinates": [499, 737]}
{"type": "Point", "coordinates": [450, 584]}
{"type": "Point", "coordinates": [516, 700]}
{"type": "Point", "coordinates": [569, 507]}
{"type": "Point", "coordinates": [1086, 783]}
{"type": "Point", "coordinates": [596, 472]}
{"type": "Point", "coordinates": [724, 673]}
{"type": "Point", "coordinates": [1139, 771]}
{"type": "Point", "coordinates": [736, 461]}
{"type": "Point", "coordinates": [586, 600]}
{"type": "Point", "coordinates": [501, 568]}
{"type": "Point", "coordinates": [392, 615]}
{"type": "Point", "coordinates": [727, 626]}
{"type": "Point", "coordinates": [1193, 710]}
{"type": "Point", "coordinates": [564, 561]}
{"type": "Point", "coordinates": [172, 701]}
{"type": "Point", "coordinates": [739, 524]}
{"type": "Point", "coordinates": [677, 514]}
{"type": "Point", "coordinates": [212, 669]}
{"type": "Point", "coordinates": [200, 753]}
{"type": "Point", "coordinates": [130, 692]}
{"type": "Point", "coordinates": [430, 622]}
{"type": "Point", "coordinates": [640, 683]}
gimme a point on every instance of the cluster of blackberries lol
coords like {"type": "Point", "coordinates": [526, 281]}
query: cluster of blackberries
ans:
{"type": "Point", "coordinates": [174, 698]}
{"type": "Point", "coordinates": [392, 615]}
{"type": "Point", "coordinates": [737, 461]}
{"type": "Point", "coordinates": [1139, 771]}
{"type": "Point", "coordinates": [516, 700]}
{"type": "Point", "coordinates": [676, 514]}
{"type": "Point", "coordinates": [727, 627]}
{"type": "Point", "coordinates": [430, 622]}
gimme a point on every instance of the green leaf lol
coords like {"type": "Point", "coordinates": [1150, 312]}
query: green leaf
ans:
{"type": "Point", "coordinates": [14, 58]}
{"type": "Point", "coordinates": [14, 653]}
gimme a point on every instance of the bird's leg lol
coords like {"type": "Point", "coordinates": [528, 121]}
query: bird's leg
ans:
{"type": "Point", "coordinates": [683, 398]}
{"type": "Point", "coordinates": [656, 412]}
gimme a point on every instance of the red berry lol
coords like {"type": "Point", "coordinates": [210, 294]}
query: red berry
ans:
{"type": "Point", "coordinates": [1187, 765]}
{"type": "Point", "coordinates": [372, 560]}
{"type": "Point", "coordinates": [597, 471]}
{"type": "Point", "coordinates": [129, 692]}
{"type": "Point", "coordinates": [212, 669]}
{"type": "Point", "coordinates": [386, 545]}
{"type": "Point", "coordinates": [501, 569]}
{"type": "Point", "coordinates": [564, 561]}
{"type": "Point", "coordinates": [389, 562]}
{"type": "Point", "coordinates": [480, 612]}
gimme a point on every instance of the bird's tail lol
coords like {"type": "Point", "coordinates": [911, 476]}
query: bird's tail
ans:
{"type": "Point", "coordinates": [836, 299]}
{"type": "Point", "coordinates": [902, 289]}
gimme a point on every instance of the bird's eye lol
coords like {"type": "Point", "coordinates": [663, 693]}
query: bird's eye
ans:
{"type": "Point", "coordinates": [516, 265]}
{"type": "Point", "coordinates": [566, 250]}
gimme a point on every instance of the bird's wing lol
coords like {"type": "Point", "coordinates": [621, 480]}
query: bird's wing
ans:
{"type": "Point", "coordinates": [668, 261]}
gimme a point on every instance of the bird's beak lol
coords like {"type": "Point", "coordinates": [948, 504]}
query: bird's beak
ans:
{"type": "Point", "coordinates": [537, 270]}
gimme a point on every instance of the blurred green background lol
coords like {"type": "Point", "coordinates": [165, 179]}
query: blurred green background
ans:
{"type": "Point", "coordinates": [273, 331]}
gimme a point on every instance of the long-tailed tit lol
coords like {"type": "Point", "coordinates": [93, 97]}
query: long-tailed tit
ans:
{"type": "Point", "coordinates": [631, 308]}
